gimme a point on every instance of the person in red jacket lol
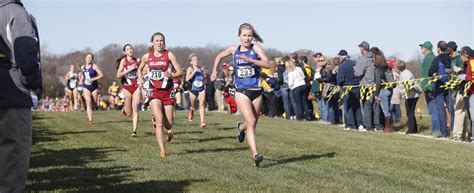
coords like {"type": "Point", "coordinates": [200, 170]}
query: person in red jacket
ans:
{"type": "Point", "coordinates": [467, 55]}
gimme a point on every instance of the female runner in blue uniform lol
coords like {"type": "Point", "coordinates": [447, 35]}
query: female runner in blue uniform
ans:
{"type": "Point", "coordinates": [249, 57]}
{"type": "Point", "coordinates": [195, 74]}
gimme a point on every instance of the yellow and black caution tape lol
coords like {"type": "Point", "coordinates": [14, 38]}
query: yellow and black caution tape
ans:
{"type": "Point", "coordinates": [345, 92]}
{"type": "Point", "coordinates": [333, 92]}
{"type": "Point", "coordinates": [389, 85]}
{"type": "Point", "coordinates": [434, 79]}
{"type": "Point", "coordinates": [409, 84]}
{"type": "Point", "coordinates": [467, 86]}
{"type": "Point", "coordinates": [366, 91]}
{"type": "Point", "coordinates": [363, 89]}
{"type": "Point", "coordinates": [452, 83]}
{"type": "Point", "coordinates": [369, 92]}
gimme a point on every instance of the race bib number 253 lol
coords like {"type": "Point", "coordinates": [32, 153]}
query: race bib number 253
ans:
{"type": "Point", "coordinates": [245, 72]}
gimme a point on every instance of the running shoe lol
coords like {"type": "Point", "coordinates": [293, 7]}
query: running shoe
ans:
{"type": "Point", "coordinates": [257, 159]}
{"type": "Point", "coordinates": [170, 136]}
{"type": "Point", "coordinates": [203, 124]}
{"type": "Point", "coordinates": [163, 154]}
{"type": "Point", "coordinates": [134, 134]}
{"type": "Point", "coordinates": [240, 134]}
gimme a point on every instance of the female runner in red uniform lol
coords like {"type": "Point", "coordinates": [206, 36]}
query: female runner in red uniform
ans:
{"type": "Point", "coordinates": [159, 63]}
{"type": "Point", "coordinates": [127, 71]}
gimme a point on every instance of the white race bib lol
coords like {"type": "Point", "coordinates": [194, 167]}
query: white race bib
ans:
{"type": "Point", "coordinates": [73, 83]}
{"type": "Point", "coordinates": [231, 92]}
{"type": "Point", "coordinates": [87, 81]}
{"type": "Point", "coordinates": [197, 83]}
{"type": "Point", "coordinates": [157, 74]}
{"type": "Point", "coordinates": [87, 78]}
{"type": "Point", "coordinates": [245, 71]}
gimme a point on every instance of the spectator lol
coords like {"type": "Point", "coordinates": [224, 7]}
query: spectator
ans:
{"type": "Point", "coordinates": [439, 67]}
{"type": "Point", "coordinates": [219, 85]}
{"type": "Point", "coordinates": [315, 89]}
{"type": "Point", "coordinates": [328, 78]}
{"type": "Point", "coordinates": [364, 69]}
{"type": "Point", "coordinates": [383, 94]}
{"type": "Point", "coordinates": [297, 87]}
{"type": "Point", "coordinates": [322, 90]}
{"type": "Point", "coordinates": [467, 55]}
{"type": "Point", "coordinates": [211, 103]}
{"type": "Point", "coordinates": [336, 62]}
{"type": "Point", "coordinates": [309, 75]}
{"type": "Point", "coordinates": [396, 97]}
{"type": "Point", "coordinates": [346, 77]}
{"type": "Point", "coordinates": [411, 97]}
{"type": "Point", "coordinates": [20, 74]}
{"type": "Point", "coordinates": [426, 50]}
{"type": "Point", "coordinates": [284, 90]}
{"type": "Point", "coordinates": [270, 99]}
{"type": "Point", "coordinates": [458, 110]}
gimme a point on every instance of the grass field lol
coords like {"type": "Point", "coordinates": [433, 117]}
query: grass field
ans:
{"type": "Point", "coordinates": [68, 155]}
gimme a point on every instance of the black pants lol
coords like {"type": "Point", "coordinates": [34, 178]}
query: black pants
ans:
{"type": "Point", "coordinates": [211, 103]}
{"type": "Point", "coordinates": [310, 103]}
{"type": "Point", "coordinates": [271, 102]}
{"type": "Point", "coordinates": [410, 105]}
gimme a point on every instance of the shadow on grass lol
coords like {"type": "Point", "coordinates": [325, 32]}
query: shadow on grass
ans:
{"type": "Point", "coordinates": [37, 117]}
{"type": "Point", "coordinates": [214, 150]}
{"type": "Point", "coordinates": [185, 140]}
{"type": "Point", "coordinates": [207, 124]}
{"type": "Point", "coordinates": [43, 135]}
{"type": "Point", "coordinates": [299, 158]}
{"type": "Point", "coordinates": [188, 132]}
{"type": "Point", "coordinates": [90, 170]}
{"type": "Point", "coordinates": [226, 128]}
{"type": "Point", "coordinates": [86, 169]}
{"type": "Point", "coordinates": [69, 157]}
{"type": "Point", "coordinates": [214, 139]}
{"type": "Point", "coordinates": [121, 121]}
{"type": "Point", "coordinates": [154, 186]}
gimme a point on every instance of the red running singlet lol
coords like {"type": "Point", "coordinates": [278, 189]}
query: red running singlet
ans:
{"type": "Point", "coordinates": [159, 86]}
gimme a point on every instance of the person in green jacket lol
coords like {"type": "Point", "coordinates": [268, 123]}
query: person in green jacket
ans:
{"type": "Point", "coordinates": [427, 51]}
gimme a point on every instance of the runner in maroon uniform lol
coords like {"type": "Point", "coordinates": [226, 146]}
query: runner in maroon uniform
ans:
{"type": "Point", "coordinates": [159, 63]}
{"type": "Point", "coordinates": [127, 71]}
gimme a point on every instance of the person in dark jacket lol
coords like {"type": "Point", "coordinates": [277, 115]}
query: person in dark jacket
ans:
{"type": "Point", "coordinates": [20, 75]}
{"type": "Point", "coordinates": [440, 67]}
{"type": "Point", "coordinates": [383, 95]}
{"type": "Point", "coordinates": [346, 77]}
{"type": "Point", "coordinates": [329, 79]}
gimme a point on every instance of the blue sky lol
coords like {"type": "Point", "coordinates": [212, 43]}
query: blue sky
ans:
{"type": "Point", "coordinates": [397, 27]}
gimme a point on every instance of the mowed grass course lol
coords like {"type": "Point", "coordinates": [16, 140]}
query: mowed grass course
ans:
{"type": "Point", "coordinates": [69, 155]}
